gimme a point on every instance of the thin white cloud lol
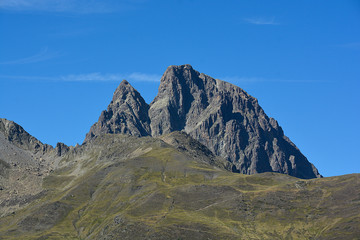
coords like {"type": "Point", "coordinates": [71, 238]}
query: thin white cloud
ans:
{"type": "Point", "coordinates": [144, 77]}
{"type": "Point", "coordinates": [28, 78]}
{"type": "Point", "coordinates": [242, 79]}
{"type": "Point", "coordinates": [41, 56]}
{"type": "Point", "coordinates": [95, 77]}
{"type": "Point", "coordinates": [70, 34]}
{"type": "Point", "coordinates": [99, 77]}
{"type": "Point", "coordinates": [262, 21]}
{"type": "Point", "coordinates": [352, 45]}
{"type": "Point", "coordinates": [91, 77]}
{"type": "Point", "coordinates": [68, 6]}
{"type": "Point", "coordinates": [237, 80]}
{"type": "Point", "coordinates": [14, 3]}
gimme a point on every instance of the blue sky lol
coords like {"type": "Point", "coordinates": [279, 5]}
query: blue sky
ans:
{"type": "Point", "coordinates": [61, 60]}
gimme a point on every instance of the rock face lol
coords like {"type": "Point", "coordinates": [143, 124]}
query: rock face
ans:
{"type": "Point", "coordinates": [15, 134]}
{"type": "Point", "coordinates": [127, 114]}
{"type": "Point", "coordinates": [227, 120]}
{"type": "Point", "coordinates": [218, 114]}
{"type": "Point", "coordinates": [184, 143]}
{"type": "Point", "coordinates": [24, 161]}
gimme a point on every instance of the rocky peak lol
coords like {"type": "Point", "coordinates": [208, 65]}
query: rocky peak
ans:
{"type": "Point", "coordinates": [126, 114]}
{"type": "Point", "coordinates": [179, 87]}
{"type": "Point", "coordinates": [219, 115]}
{"type": "Point", "coordinates": [123, 91]}
{"type": "Point", "coordinates": [15, 134]}
{"type": "Point", "coordinates": [227, 120]}
{"type": "Point", "coordinates": [61, 149]}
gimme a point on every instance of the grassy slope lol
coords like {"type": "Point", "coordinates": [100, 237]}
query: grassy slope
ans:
{"type": "Point", "coordinates": [128, 188]}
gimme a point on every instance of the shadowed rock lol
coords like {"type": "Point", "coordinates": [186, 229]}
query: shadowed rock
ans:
{"type": "Point", "coordinates": [61, 149]}
{"type": "Point", "coordinates": [126, 114]}
{"type": "Point", "coordinates": [227, 120]}
{"type": "Point", "coordinates": [15, 134]}
{"type": "Point", "coordinates": [220, 115]}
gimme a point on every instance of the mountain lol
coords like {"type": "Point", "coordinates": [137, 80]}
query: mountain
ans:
{"type": "Point", "coordinates": [24, 162]}
{"type": "Point", "coordinates": [118, 186]}
{"type": "Point", "coordinates": [221, 116]}
{"type": "Point", "coordinates": [126, 114]}
{"type": "Point", "coordinates": [150, 181]}
{"type": "Point", "coordinates": [15, 134]}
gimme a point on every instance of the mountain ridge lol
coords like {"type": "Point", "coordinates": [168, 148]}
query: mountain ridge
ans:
{"type": "Point", "coordinates": [220, 115]}
{"type": "Point", "coordinates": [120, 186]}
{"type": "Point", "coordinates": [125, 114]}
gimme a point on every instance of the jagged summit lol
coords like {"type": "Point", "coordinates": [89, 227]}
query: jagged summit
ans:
{"type": "Point", "coordinates": [14, 133]}
{"type": "Point", "coordinates": [123, 89]}
{"type": "Point", "coordinates": [218, 114]}
{"type": "Point", "coordinates": [169, 108]}
{"type": "Point", "coordinates": [126, 114]}
{"type": "Point", "coordinates": [170, 186]}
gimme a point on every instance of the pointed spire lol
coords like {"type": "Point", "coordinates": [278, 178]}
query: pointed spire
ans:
{"type": "Point", "coordinates": [127, 113]}
{"type": "Point", "coordinates": [218, 114]}
{"type": "Point", "coordinates": [123, 90]}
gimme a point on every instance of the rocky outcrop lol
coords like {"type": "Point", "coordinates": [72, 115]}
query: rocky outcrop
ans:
{"type": "Point", "coordinates": [61, 149]}
{"type": "Point", "coordinates": [227, 120]}
{"type": "Point", "coordinates": [126, 114]}
{"type": "Point", "coordinates": [184, 143]}
{"type": "Point", "coordinates": [24, 162]}
{"type": "Point", "coordinates": [15, 134]}
{"type": "Point", "coordinates": [219, 115]}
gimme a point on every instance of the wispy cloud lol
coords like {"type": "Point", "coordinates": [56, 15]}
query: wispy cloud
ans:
{"type": "Point", "coordinates": [262, 21]}
{"type": "Point", "coordinates": [96, 77]}
{"type": "Point", "coordinates": [100, 77]}
{"type": "Point", "coordinates": [234, 79]}
{"type": "Point", "coordinates": [68, 6]}
{"type": "Point", "coordinates": [143, 77]}
{"type": "Point", "coordinates": [237, 80]}
{"type": "Point", "coordinates": [41, 56]}
{"type": "Point", "coordinates": [352, 45]}
{"type": "Point", "coordinates": [91, 77]}
{"type": "Point", "coordinates": [71, 34]}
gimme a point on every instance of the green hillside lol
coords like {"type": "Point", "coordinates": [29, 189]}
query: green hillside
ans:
{"type": "Point", "coordinates": [122, 187]}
